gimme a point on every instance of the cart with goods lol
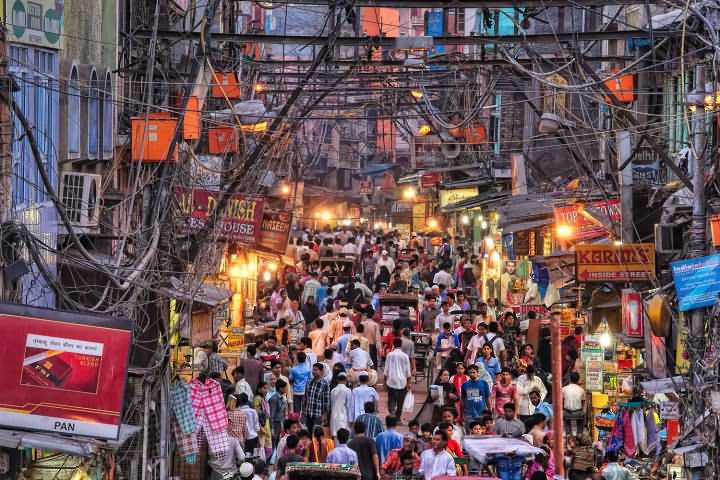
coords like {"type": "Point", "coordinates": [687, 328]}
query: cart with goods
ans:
{"type": "Point", "coordinates": [326, 471]}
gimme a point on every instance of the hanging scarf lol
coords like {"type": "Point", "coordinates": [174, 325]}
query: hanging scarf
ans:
{"type": "Point", "coordinates": [653, 442]}
{"type": "Point", "coordinates": [615, 443]}
{"type": "Point", "coordinates": [628, 435]}
{"type": "Point", "coordinates": [639, 431]}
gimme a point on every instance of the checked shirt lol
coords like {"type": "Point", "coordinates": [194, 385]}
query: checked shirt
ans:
{"type": "Point", "coordinates": [317, 398]}
{"type": "Point", "coordinates": [207, 401]}
{"type": "Point", "coordinates": [181, 405]}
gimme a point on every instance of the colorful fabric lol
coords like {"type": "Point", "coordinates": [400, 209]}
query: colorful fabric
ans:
{"type": "Point", "coordinates": [394, 464]}
{"type": "Point", "coordinates": [181, 406]}
{"type": "Point", "coordinates": [237, 424]}
{"type": "Point", "coordinates": [187, 443]}
{"type": "Point", "coordinates": [207, 401]}
{"type": "Point", "coordinates": [317, 398]}
{"type": "Point", "coordinates": [218, 440]}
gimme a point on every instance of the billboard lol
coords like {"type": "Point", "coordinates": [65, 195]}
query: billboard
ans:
{"type": "Point", "coordinates": [632, 262]}
{"type": "Point", "coordinates": [274, 231]}
{"type": "Point", "coordinates": [240, 222]}
{"type": "Point", "coordinates": [583, 227]}
{"type": "Point", "coordinates": [63, 372]}
{"type": "Point", "coordinates": [697, 281]}
{"type": "Point", "coordinates": [455, 195]}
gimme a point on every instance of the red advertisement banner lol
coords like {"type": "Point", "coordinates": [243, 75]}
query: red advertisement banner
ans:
{"type": "Point", "coordinates": [63, 372]}
{"type": "Point", "coordinates": [583, 227]}
{"type": "Point", "coordinates": [632, 313]}
{"type": "Point", "coordinates": [274, 231]}
{"type": "Point", "coordinates": [240, 222]}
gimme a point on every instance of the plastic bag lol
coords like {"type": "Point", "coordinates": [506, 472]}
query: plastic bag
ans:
{"type": "Point", "coordinates": [409, 402]}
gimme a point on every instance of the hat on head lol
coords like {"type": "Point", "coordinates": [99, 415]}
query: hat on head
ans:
{"type": "Point", "coordinates": [342, 376]}
{"type": "Point", "coordinates": [246, 470]}
{"type": "Point", "coordinates": [207, 344]}
{"type": "Point", "coordinates": [384, 252]}
{"type": "Point", "coordinates": [363, 376]}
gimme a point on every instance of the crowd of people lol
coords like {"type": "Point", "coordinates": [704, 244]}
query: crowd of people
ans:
{"type": "Point", "coordinates": [309, 390]}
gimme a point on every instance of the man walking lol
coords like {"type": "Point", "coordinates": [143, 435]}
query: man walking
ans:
{"type": "Point", "coordinates": [397, 377]}
{"type": "Point", "coordinates": [317, 398]}
{"type": "Point", "coordinates": [342, 453]}
{"type": "Point", "coordinates": [436, 461]}
{"type": "Point", "coordinates": [361, 395]}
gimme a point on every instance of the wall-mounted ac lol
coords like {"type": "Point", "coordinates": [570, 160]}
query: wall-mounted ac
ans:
{"type": "Point", "coordinates": [80, 194]}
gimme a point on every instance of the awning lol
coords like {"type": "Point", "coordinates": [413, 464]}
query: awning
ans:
{"type": "Point", "coordinates": [210, 295]}
{"type": "Point", "coordinates": [375, 169]}
{"type": "Point", "coordinates": [80, 446]}
{"type": "Point", "coordinates": [529, 225]}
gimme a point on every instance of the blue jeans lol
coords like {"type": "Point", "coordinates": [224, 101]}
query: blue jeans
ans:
{"type": "Point", "coordinates": [510, 468]}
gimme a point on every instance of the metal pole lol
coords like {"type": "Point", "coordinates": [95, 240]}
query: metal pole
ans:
{"type": "Point", "coordinates": [624, 150]}
{"type": "Point", "coordinates": [164, 415]}
{"type": "Point", "coordinates": [146, 430]}
{"type": "Point", "coordinates": [697, 228]}
{"type": "Point", "coordinates": [557, 399]}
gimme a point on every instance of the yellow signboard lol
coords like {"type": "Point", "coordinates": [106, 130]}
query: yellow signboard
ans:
{"type": "Point", "coordinates": [455, 195]}
{"type": "Point", "coordinates": [633, 262]}
{"type": "Point", "coordinates": [418, 217]}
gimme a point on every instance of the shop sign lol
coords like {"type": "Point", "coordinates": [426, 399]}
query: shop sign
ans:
{"type": "Point", "coordinates": [240, 222]}
{"type": "Point", "coordinates": [663, 385]}
{"type": "Point", "coordinates": [632, 313]}
{"type": "Point", "coordinates": [592, 351]}
{"type": "Point", "coordinates": [419, 217]}
{"type": "Point", "coordinates": [429, 180]}
{"type": "Point", "coordinates": [63, 372]}
{"type": "Point", "coordinates": [669, 411]}
{"type": "Point", "coordinates": [275, 230]}
{"type": "Point", "coordinates": [455, 195]}
{"type": "Point", "coordinates": [584, 228]}
{"type": "Point", "coordinates": [235, 339]}
{"type": "Point", "coordinates": [697, 281]}
{"type": "Point", "coordinates": [633, 262]}
{"type": "Point", "coordinates": [522, 310]}
{"type": "Point", "coordinates": [594, 375]}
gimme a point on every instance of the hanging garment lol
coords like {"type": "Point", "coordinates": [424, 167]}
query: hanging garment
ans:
{"type": "Point", "coordinates": [653, 442]}
{"type": "Point", "coordinates": [187, 443]}
{"type": "Point", "coordinates": [208, 403]}
{"type": "Point", "coordinates": [218, 440]}
{"type": "Point", "coordinates": [639, 431]}
{"type": "Point", "coordinates": [181, 406]}
{"type": "Point", "coordinates": [629, 444]}
{"type": "Point", "coordinates": [615, 443]}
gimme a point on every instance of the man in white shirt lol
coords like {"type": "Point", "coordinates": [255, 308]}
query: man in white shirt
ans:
{"type": "Point", "coordinates": [444, 316]}
{"type": "Point", "coordinates": [574, 405]}
{"type": "Point", "coordinates": [436, 462]}
{"type": "Point", "coordinates": [350, 248]}
{"type": "Point", "coordinates": [359, 358]}
{"type": "Point", "coordinates": [526, 383]}
{"type": "Point", "coordinates": [384, 261]}
{"type": "Point", "coordinates": [443, 278]}
{"type": "Point", "coordinates": [362, 394]}
{"type": "Point", "coordinates": [397, 377]}
{"type": "Point", "coordinates": [311, 287]}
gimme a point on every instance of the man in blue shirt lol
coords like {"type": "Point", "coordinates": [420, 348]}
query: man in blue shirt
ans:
{"type": "Point", "coordinates": [299, 377]}
{"type": "Point", "coordinates": [475, 395]}
{"type": "Point", "coordinates": [389, 439]}
{"type": "Point", "coordinates": [541, 407]}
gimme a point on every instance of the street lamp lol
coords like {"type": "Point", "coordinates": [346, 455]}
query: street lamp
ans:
{"type": "Point", "coordinates": [483, 224]}
{"type": "Point", "coordinates": [465, 220]}
{"type": "Point", "coordinates": [417, 94]}
{"type": "Point", "coordinates": [433, 223]}
{"type": "Point", "coordinates": [260, 87]}
{"type": "Point", "coordinates": [409, 193]}
{"type": "Point", "coordinates": [285, 189]}
{"type": "Point", "coordinates": [424, 130]}
{"type": "Point", "coordinates": [325, 215]}
{"type": "Point", "coordinates": [489, 243]}
{"type": "Point", "coordinates": [564, 231]}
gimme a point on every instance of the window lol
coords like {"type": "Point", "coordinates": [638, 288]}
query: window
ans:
{"type": "Point", "coordinates": [34, 16]}
{"type": "Point", "coordinates": [494, 134]}
{"type": "Point", "coordinates": [108, 115]}
{"type": "Point", "coordinates": [93, 106]}
{"type": "Point", "coordinates": [73, 118]}
{"type": "Point", "coordinates": [35, 71]}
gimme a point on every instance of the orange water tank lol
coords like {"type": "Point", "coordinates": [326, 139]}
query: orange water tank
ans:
{"type": "Point", "coordinates": [623, 87]}
{"type": "Point", "coordinates": [191, 119]}
{"type": "Point", "coordinates": [151, 140]}
{"type": "Point", "coordinates": [226, 85]}
{"type": "Point", "coordinates": [475, 134]}
{"type": "Point", "coordinates": [223, 140]}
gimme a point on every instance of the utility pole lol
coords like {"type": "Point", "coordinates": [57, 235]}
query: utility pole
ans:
{"type": "Point", "coordinates": [697, 226]}
{"type": "Point", "coordinates": [557, 398]}
{"type": "Point", "coordinates": [623, 144]}
{"type": "Point", "coordinates": [6, 129]}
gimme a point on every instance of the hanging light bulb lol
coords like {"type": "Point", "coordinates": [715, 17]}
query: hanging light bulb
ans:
{"type": "Point", "coordinates": [465, 220]}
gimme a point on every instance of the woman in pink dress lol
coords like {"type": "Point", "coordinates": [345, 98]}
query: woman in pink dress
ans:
{"type": "Point", "coordinates": [457, 380]}
{"type": "Point", "coordinates": [503, 391]}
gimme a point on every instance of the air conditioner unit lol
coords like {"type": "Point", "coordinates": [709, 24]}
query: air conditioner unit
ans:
{"type": "Point", "coordinates": [668, 238]}
{"type": "Point", "coordinates": [80, 194]}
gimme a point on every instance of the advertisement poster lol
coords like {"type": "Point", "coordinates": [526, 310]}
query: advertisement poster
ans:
{"type": "Point", "coordinates": [632, 313]}
{"type": "Point", "coordinates": [587, 221]}
{"type": "Point", "coordinates": [632, 262]}
{"type": "Point", "coordinates": [239, 222]}
{"type": "Point", "coordinates": [455, 195]}
{"type": "Point", "coordinates": [697, 281]}
{"type": "Point", "coordinates": [63, 372]}
{"type": "Point", "coordinates": [594, 375]}
{"type": "Point", "coordinates": [274, 231]}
